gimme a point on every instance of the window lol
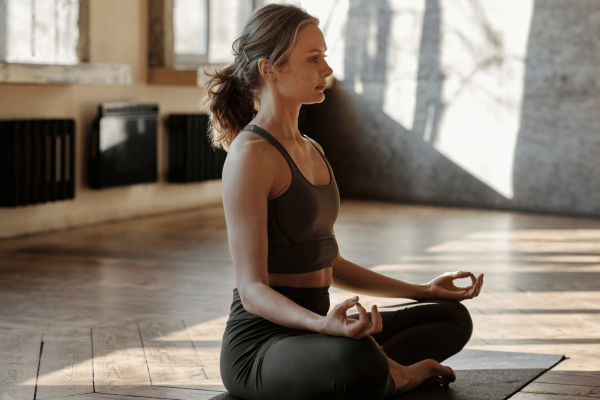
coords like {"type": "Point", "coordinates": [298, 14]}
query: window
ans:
{"type": "Point", "coordinates": [203, 30]}
{"type": "Point", "coordinates": [46, 41]}
{"type": "Point", "coordinates": [39, 31]}
{"type": "Point", "coordinates": [186, 36]}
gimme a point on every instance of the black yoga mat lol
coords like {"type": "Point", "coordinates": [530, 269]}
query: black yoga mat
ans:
{"type": "Point", "coordinates": [480, 374]}
{"type": "Point", "coordinates": [483, 374]}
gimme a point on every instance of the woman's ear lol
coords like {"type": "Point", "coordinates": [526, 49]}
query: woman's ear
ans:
{"type": "Point", "coordinates": [263, 68]}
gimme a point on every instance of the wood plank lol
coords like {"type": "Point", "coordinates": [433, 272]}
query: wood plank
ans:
{"type": "Point", "coordinates": [178, 376]}
{"type": "Point", "coordinates": [168, 344]}
{"type": "Point", "coordinates": [19, 361]}
{"type": "Point", "coordinates": [207, 336]}
{"type": "Point", "coordinates": [102, 396]}
{"type": "Point", "coordinates": [551, 388]}
{"type": "Point", "coordinates": [119, 360]}
{"type": "Point", "coordinates": [539, 396]}
{"type": "Point", "coordinates": [168, 393]}
{"type": "Point", "coordinates": [66, 365]}
{"type": "Point", "coordinates": [570, 379]}
{"type": "Point", "coordinates": [171, 356]}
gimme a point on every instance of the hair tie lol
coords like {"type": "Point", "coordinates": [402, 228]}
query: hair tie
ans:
{"type": "Point", "coordinates": [245, 54]}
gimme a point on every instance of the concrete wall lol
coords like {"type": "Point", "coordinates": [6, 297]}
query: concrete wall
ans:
{"type": "Point", "coordinates": [118, 35]}
{"type": "Point", "coordinates": [475, 103]}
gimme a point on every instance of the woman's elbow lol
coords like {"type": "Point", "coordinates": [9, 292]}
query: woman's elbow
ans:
{"type": "Point", "coordinates": [247, 294]}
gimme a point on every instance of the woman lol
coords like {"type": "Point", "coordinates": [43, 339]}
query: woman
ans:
{"type": "Point", "coordinates": [281, 201]}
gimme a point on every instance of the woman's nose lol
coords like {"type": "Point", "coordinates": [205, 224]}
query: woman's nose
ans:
{"type": "Point", "coordinates": [328, 71]}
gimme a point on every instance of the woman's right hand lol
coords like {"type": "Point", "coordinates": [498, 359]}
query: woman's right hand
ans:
{"type": "Point", "coordinates": [337, 323]}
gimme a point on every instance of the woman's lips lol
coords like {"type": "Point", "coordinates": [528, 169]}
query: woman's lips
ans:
{"type": "Point", "coordinates": [320, 87]}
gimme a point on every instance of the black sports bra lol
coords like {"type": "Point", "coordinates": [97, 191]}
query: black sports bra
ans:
{"type": "Point", "coordinates": [300, 221]}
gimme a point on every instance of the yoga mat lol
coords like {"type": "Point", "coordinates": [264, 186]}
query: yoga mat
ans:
{"type": "Point", "coordinates": [480, 374]}
{"type": "Point", "coordinates": [484, 374]}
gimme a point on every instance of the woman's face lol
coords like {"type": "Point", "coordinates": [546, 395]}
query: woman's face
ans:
{"type": "Point", "coordinates": [302, 79]}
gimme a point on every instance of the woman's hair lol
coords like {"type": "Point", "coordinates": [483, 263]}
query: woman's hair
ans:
{"type": "Point", "coordinates": [232, 93]}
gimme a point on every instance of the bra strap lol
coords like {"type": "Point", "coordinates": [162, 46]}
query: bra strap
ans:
{"type": "Point", "coordinates": [269, 138]}
{"type": "Point", "coordinates": [320, 152]}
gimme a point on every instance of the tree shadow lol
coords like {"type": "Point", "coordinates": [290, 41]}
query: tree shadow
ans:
{"type": "Point", "coordinates": [373, 155]}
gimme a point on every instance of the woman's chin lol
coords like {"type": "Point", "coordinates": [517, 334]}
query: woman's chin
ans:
{"type": "Point", "coordinates": [318, 97]}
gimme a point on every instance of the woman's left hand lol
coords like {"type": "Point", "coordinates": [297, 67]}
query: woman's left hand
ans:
{"type": "Point", "coordinates": [443, 287]}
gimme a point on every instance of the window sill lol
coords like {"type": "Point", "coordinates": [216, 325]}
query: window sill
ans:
{"type": "Point", "coordinates": [188, 77]}
{"type": "Point", "coordinates": [192, 77]}
{"type": "Point", "coordinates": [81, 74]}
{"type": "Point", "coordinates": [170, 76]}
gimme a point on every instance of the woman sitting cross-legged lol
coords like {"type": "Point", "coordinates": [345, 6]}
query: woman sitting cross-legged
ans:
{"type": "Point", "coordinates": [281, 201]}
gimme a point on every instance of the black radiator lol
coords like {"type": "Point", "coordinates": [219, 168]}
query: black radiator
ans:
{"type": "Point", "coordinates": [191, 156]}
{"type": "Point", "coordinates": [123, 145]}
{"type": "Point", "coordinates": [37, 160]}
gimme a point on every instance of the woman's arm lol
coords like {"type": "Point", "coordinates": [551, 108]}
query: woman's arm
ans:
{"type": "Point", "coordinates": [356, 279]}
{"type": "Point", "coordinates": [248, 178]}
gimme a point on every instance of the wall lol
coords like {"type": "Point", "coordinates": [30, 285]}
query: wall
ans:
{"type": "Point", "coordinates": [118, 34]}
{"type": "Point", "coordinates": [490, 104]}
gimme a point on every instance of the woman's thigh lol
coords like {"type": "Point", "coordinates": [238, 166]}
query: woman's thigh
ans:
{"type": "Point", "coordinates": [318, 366]}
{"type": "Point", "coordinates": [416, 331]}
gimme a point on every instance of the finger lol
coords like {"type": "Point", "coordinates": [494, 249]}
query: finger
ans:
{"type": "Point", "coordinates": [376, 323]}
{"type": "Point", "coordinates": [362, 323]}
{"type": "Point", "coordinates": [376, 319]}
{"type": "Point", "coordinates": [362, 312]}
{"type": "Point", "coordinates": [480, 285]}
{"type": "Point", "coordinates": [345, 305]}
{"type": "Point", "coordinates": [462, 274]}
{"type": "Point", "coordinates": [477, 287]}
{"type": "Point", "coordinates": [472, 291]}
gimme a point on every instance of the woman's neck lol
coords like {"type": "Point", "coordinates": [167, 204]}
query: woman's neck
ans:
{"type": "Point", "coordinates": [278, 117]}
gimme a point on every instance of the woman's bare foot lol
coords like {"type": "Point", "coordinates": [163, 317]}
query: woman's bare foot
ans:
{"type": "Point", "coordinates": [409, 377]}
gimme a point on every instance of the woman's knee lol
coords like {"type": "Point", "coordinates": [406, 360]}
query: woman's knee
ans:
{"type": "Point", "coordinates": [460, 317]}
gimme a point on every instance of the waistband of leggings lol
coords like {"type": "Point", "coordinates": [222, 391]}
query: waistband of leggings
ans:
{"type": "Point", "coordinates": [296, 292]}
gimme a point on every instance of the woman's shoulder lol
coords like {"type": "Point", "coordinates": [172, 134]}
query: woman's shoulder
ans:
{"type": "Point", "coordinates": [247, 144]}
{"type": "Point", "coordinates": [248, 151]}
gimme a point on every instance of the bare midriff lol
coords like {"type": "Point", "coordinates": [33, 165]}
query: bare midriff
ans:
{"type": "Point", "coordinates": [320, 278]}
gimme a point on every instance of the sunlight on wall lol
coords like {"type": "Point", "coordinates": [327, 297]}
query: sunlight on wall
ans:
{"type": "Point", "coordinates": [483, 50]}
{"type": "Point", "coordinates": [403, 61]}
{"type": "Point", "coordinates": [333, 15]}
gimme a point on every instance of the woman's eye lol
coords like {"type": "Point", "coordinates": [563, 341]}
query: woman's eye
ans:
{"type": "Point", "coordinates": [325, 55]}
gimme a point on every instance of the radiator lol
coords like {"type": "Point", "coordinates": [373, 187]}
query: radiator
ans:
{"type": "Point", "coordinates": [123, 145]}
{"type": "Point", "coordinates": [191, 156]}
{"type": "Point", "coordinates": [37, 160]}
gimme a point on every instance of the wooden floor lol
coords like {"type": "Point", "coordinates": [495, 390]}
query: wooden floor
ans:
{"type": "Point", "coordinates": [138, 307]}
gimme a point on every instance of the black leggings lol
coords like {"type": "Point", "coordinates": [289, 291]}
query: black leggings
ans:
{"type": "Point", "coordinates": [261, 360]}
